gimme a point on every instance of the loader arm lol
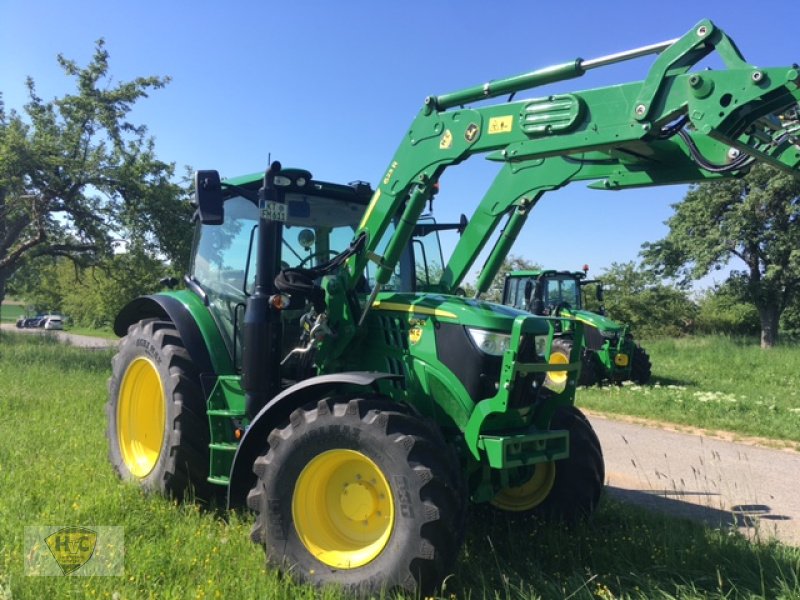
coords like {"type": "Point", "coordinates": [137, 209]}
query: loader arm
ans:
{"type": "Point", "coordinates": [674, 126]}
{"type": "Point", "coordinates": [520, 184]}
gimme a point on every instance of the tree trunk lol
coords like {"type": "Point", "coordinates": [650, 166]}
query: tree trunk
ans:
{"type": "Point", "coordinates": [2, 292]}
{"type": "Point", "coordinates": [769, 316]}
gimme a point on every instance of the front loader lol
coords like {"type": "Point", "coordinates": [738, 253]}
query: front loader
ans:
{"type": "Point", "coordinates": [610, 352]}
{"type": "Point", "coordinates": [320, 368]}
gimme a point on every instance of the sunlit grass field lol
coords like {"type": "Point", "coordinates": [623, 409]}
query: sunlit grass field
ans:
{"type": "Point", "coordinates": [10, 312]}
{"type": "Point", "coordinates": [54, 471]}
{"type": "Point", "coordinates": [713, 383]}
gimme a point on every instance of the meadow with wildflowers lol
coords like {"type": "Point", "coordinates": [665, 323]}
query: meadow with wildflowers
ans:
{"type": "Point", "coordinates": [714, 383]}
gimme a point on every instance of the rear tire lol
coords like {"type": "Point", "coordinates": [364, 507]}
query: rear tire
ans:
{"type": "Point", "coordinates": [641, 368]}
{"type": "Point", "coordinates": [157, 427]}
{"type": "Point", "coordinates": [360, 494]}
{"type": "Point", "coordinates": [588, 375]}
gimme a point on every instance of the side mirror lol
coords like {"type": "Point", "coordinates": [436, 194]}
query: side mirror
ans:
{"type": "Point", "coordinates": [599, 292]}
{"type": "Point", "coordinates": [208, 197]}
{"type": "Point", "coordinates": [462, 223]}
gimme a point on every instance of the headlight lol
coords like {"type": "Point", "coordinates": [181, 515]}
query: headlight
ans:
{"type": "Point", "coordinates": [490, 342]}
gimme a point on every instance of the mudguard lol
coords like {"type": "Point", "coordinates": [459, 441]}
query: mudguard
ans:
{"type": "Point", "coordinates": [277, 411]}
{"type": "Point", "coordinates": [170, 308]}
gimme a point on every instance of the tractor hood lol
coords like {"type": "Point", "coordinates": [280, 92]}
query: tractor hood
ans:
{"type": "Point", "coordinates": [599, 322]}
{"type": "Point", "coordinates": [453, 309]}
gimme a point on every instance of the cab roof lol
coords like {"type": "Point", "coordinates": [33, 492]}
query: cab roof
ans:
{"type": "Point", "coordinates": [302, 182]}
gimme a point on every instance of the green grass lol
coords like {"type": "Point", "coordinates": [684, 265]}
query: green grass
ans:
{"type": "Point", "coordinates": [54, 471]}
{"type": "Point", "coordinates": [713, 383]}
{"type": "Point", "coordinates": [11, 312]}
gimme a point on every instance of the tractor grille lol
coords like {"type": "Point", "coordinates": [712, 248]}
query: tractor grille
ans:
{"type": "Point", "coordinates": [594, 339]}
{"type": "Point", "coordinates": [479, 373]}
{"type": "Point", "coordinates": [526, 387]}
{"type": "Point", "coordinates": [395, 332]}
{"type": "Point", "coordinates": [395, 366]}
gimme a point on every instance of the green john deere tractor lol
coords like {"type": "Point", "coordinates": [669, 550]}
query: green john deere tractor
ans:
{"type": "Point", "coordinates": [610, 353]}
{"type": "Point", "coordinates": [320, 368]}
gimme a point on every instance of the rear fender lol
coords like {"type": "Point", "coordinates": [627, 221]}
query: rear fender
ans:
{"type": "Point", "coordinates": [276, 412]}
{"type": "Point", "coordinates": [192, 320]}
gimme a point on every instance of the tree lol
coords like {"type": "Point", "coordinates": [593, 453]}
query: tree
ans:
{"type": "Point", "coordinates": [79, 180]}
{"type": "Point", "coordinates": [92, 295]}
{"type": "Point", "coordinates": [510, 263]}
{"type": "Point", "coordinates": [752, 220]}
{"type": "Point", "coordinates": [636, 296]}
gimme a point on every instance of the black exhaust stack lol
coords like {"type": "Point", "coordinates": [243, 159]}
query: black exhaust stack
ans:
{"type": "Point", "coordinates": [262, 327]}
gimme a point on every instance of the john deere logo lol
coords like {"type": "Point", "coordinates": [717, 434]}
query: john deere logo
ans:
{"type": "Point", "coordinates": [446, 140]}
{"type": "Point", "coordinates": [72, 547]}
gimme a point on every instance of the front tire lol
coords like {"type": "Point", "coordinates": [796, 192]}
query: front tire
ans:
{"type": "Point", "coordinates": [360, 494]}
{"type": "Point", "coordinates": [157, 430]}
{"type": "Point", "coordinates": [566, 490]}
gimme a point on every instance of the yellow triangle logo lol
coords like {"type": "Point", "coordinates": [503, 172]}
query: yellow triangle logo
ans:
{"type": "Point", "coordinates": [72, 547]}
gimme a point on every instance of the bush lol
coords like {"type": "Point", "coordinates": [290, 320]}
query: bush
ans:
{"type": "Point", "coordinates": [637, 297]}
{"type": "Point", "coordinates": [721, 311]}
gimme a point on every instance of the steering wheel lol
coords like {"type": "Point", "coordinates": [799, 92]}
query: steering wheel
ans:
{"type": "Point", "coordinates": [320, 254]}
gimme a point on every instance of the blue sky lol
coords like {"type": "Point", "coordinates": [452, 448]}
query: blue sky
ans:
{"type": "Point", "coordinates": [332, 86]}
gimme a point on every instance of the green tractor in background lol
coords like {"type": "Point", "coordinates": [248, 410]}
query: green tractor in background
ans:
{"type": "Point", "coordinates": [610, 352]}
{"type": "Point", "coordinates": [320, 368]}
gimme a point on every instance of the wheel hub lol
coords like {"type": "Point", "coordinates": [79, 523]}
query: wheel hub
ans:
{"type": "Point", "coordinates": [359, 501]}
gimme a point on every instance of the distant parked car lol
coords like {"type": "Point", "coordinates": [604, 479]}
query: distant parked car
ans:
{"type": "Point", "coordinates": [36, 321]}
{"type": "Point", "coordinates": [52, 322]}
{"type": "Point", "coordinates": [21, 322]}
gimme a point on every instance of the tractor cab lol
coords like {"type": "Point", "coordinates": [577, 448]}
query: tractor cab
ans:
{"type": "Point", "coordinates": [549, 292]}
{"type": "Point", "coordinates": [319, 223]}
{"type": "Point", "coordinates": [544, 292]}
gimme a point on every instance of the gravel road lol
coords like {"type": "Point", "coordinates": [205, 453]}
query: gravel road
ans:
{"type": "Point", "coordinates": [722, 483]}
{"type": "Point", "coordinates": [82, 341]}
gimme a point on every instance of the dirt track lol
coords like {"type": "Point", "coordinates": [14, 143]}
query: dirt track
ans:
{"type": "Point", "coordinates": [82, 341]}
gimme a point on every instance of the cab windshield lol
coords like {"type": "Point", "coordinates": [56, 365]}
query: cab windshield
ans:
{"type": "Point", "coordinates": [563, 291]}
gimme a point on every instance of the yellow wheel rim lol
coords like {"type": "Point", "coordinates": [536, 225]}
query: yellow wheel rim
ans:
{"type": "Point", "coordinates": [343, 509]}
{"type": "Point", "coordinates": [531, 493]}
{"type": "Point", "coordinates": [141, 415]}
{"type": "Point", "coordinates": [557, 380]}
